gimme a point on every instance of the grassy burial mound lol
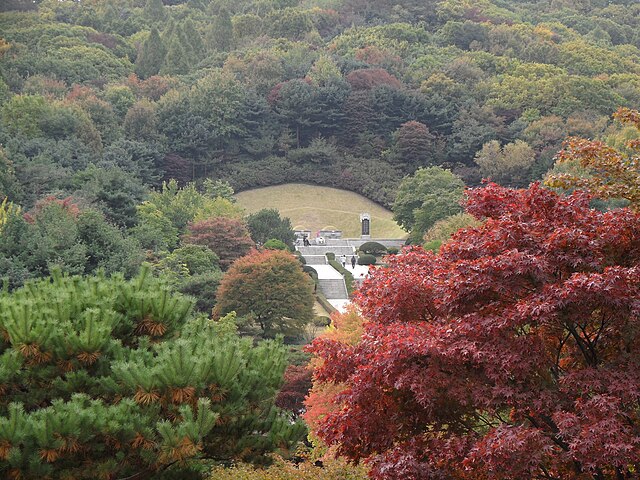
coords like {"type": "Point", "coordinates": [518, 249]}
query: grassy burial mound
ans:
{"type": "Point", "coordinates": [316, 208]}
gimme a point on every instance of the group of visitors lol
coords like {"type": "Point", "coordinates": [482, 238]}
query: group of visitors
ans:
{"type": "Point", "coordinates": [343, 259]}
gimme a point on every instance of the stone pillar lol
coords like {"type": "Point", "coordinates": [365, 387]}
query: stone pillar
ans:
{"type": "Point", "coordinates": [365, 223]}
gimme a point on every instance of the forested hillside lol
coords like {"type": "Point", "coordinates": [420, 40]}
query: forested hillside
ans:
{"type": "Point", "coordinates": [152, 328]}
{"type": "Point", "coordinates": [105, 98]}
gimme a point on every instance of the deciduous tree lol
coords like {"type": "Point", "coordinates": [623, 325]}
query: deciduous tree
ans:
{"type": "Point", "coordinates": [272, 289]}
{"type": "Point", "coordinates": [227, 237]}
{"type": "Point", "coordinates": [509, 164]}
{"type": "Point", "coordinates": [512, 354]}
{"type": "Point", "coordinates": [429, 195]}
{"type": "Point", "coordinates": [414, 144]}
{"type": "Point", "coordinates": [610, 173]}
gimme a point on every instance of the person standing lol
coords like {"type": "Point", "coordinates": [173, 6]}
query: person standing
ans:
{"type": "Point", "coordinates": [353, 262]}
{"type": "Point", "coordinates": [343, 259]}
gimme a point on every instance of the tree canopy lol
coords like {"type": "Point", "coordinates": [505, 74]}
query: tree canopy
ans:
{"type": "Point", "coordinates": [511, 354]}
{"type": "Point", "coordinates": [607, 172]}
{"type": "Point", "coordinates": [429, 195]}
{"type": "Point", "coordinates": [95, 383]}
{"type": "Point", "coordinates": [271, 289]}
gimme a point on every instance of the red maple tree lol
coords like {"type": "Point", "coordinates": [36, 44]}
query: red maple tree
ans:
{"type": "Point", "coordinates": [296, 386]}
{"type": "Point", "coordinates": [228, 237]}
{"type": "Point", "coordinates": [512, 354]}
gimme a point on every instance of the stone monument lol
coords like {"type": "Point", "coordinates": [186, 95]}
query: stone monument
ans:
{"type": "Point", "coordinates": [365, 222]}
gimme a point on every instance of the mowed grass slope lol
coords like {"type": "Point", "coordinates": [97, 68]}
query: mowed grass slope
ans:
{"type": "Point", "coordinates": [314, 208]}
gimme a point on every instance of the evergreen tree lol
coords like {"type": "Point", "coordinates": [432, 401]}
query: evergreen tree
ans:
{"type": "Point", "coordinates": [151, 56]}
{"type": "Point", "coordinates": [167, 33]}
{"type": "Point", "coordinates": [193, 38]}
{"type": "Point", "coordinates": [220, 33]}
{"type": "Point", "coordinates": [154, 10]}
{"type": "Point", "coordinates": [106, 378]}
{"type": "Point", "coordinates": [266, 224]}
{"type": "Point", "coordinates": [177, 59]}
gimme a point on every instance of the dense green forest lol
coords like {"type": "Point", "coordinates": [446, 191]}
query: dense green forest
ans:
{"type": "Point", "coordinates": [150, 328]}
{"type": "Point", "coordinates": [106, 98]}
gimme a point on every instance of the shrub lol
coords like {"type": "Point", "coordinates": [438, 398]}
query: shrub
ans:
{"type": "Point", "coordinates": [442, 230]}
{"type": "Point", "coordinates": [311, 271]}
{"type": "Point", "coordinates": [275, 244]}
{"type": "Point", "coordinates": [348, 276]}
{"type": "Point", "coordinates": [366, 259]}
{"type": "Point", "coordinates": [393, 250]}
{"type": "Point", "coordinates": [373, 248]}
{"type": "Point", "coordinates": [331, 469]}
{"type": "Point", "coordinates": [299, 256]}
{"type": "Point", "coordinates": [433, 245]}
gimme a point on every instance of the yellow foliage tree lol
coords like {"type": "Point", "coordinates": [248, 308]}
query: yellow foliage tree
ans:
{"type": "Point", "coordinates": [7, 210]}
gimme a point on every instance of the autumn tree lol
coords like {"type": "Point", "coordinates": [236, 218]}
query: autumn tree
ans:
{"type": "Point", "coordinates": [227, 237]}
{"type": "Point", "coordinates": [345, 329]}
{"type": "Point", "coordinates": [296, 386]}
{"type": "Point", "coordinates": [414, 144]}
{"type": "Point", "coordinates": [610, 173]}
{"type": "Point", "coordinates": [368, 78]}
{"type": "Point", "coordinates": [270, 288]}
{"type": "Point", "coordinates": [512, 354]}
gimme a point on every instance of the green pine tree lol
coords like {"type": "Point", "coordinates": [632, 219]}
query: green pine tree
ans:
{"type": "Point", "coordinates": [193, 37]}
{"type": "Point", "coordinates": [154, 10]}
{"type": "Point", "coordinates": [168, 32]}
{"type": "Point", "coordinates": [219, 35]}
{"type": "Point", "coordinates": [151, 56]}
{"type": "Point", "coordinates": [178, 59]}
{"type": "Point", "coordinates": [107, 378]}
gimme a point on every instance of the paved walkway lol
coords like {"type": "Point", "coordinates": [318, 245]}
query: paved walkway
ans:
{"type": "Point", "coordinates": [360, 271]}
{"type": "Point", "coordinates": [326, 272]}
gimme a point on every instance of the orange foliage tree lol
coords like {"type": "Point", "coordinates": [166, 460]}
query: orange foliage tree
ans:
{"type": "Point", "coordinates": [612, 173]}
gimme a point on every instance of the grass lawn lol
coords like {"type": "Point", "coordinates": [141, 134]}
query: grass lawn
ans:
{"type": "Point", "coordinates": [314, 208]}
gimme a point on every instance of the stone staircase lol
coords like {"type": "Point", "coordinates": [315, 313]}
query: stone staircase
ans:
{"type": "Point", "coordinates": [322, 249]}
{"type": "Point", "coordinates": [333, 289]}
{"type": "Point", "coordinates": [316, 259]}
{"type": "Point", "coordinates": [330, 281]}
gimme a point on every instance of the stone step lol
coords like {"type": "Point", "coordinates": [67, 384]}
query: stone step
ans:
{"type": "Point", "coordinates": [333, 289]}
{"type": "Point", "coordinates": [338, 242]}
{"type": "Point", "coordinates": [322, 249]}
{"type": "Point", "coordinates": [315, 259]}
